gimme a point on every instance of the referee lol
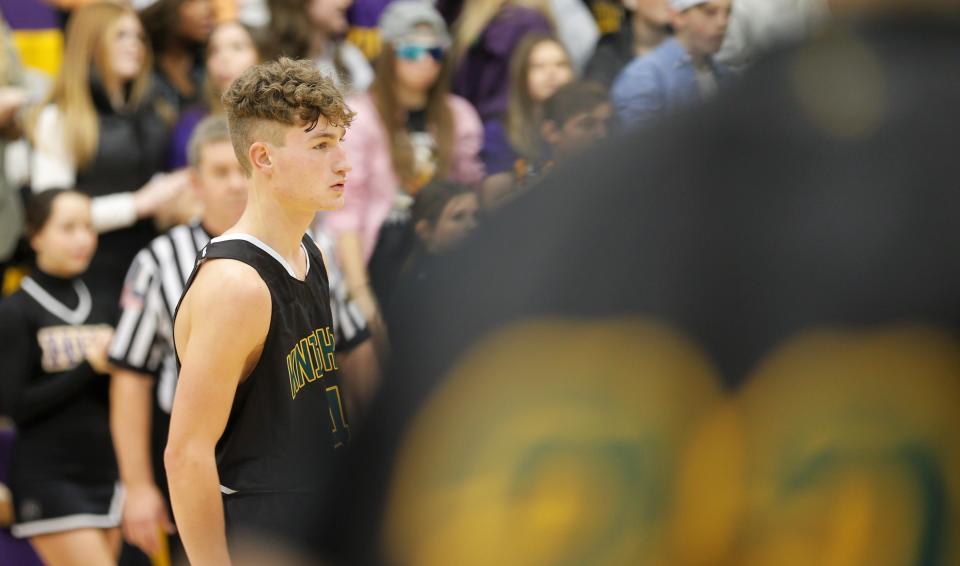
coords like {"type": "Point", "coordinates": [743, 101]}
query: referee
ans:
{"type": "Point", "coordinates": [142, 347]}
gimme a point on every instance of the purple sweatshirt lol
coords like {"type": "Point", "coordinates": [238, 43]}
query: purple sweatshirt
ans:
{"type": "Point", "coordinates": [483, 77]}
{"type": "Point", "coordinates": [366, 13]}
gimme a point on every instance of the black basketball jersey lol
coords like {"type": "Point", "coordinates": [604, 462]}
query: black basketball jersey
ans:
{"type": "Point", "coordinates": [288, 420]}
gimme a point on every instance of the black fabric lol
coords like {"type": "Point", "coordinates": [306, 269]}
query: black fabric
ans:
{"type": "Point", "coordinates": [39, 500]}
{"type": "Point", "coordinates": [395, 242]}
{"type": "Point", "coordinates": [177, 100]}
{"type": "Point", "coordinates": [613, 52]}
{"type": "Point", "coordinates": [130, 150]}
{"type": "Point", "coordinates": [279, 437]}
{"type": "Point", "coordinates": [61, 417]}
{"type": "Point", "coordinates": [417, 120]}
{"type": "Point", "coordinates": [270, 512]}
{"type": "Point", "coordinates": [740, 223]}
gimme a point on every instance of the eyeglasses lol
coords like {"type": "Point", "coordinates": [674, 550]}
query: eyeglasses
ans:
{"type": "Point", "coordinates": [415, 52]}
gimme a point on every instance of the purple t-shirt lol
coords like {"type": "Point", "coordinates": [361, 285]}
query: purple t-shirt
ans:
{"type": "Point", "coordinates": [181, 135]}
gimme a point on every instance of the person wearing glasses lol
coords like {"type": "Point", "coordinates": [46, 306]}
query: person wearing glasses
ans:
{"type": "Point", "coordinates": [408, 131]}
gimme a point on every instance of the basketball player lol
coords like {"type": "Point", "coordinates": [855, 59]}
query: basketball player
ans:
{"type": "Point", "coordinates": [141, 352]}
{"type": "Point", "coordinates": [257, 417]}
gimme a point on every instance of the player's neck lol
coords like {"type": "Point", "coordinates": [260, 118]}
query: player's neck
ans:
{"type": "Point", "coordinates": [275, 225]}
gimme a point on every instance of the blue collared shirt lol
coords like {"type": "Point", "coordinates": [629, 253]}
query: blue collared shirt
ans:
{"type": "Point", "coordinates": [657, 82]}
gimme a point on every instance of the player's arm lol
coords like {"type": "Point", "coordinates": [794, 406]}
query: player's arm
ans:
{"type": "Point", "coordinates": [221, 326]}
{"type": "Point", "coordinates": [131, 409]}
{"type": "Point", "coordinates": [131, 405]}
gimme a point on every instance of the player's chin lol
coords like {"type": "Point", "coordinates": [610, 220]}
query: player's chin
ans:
{"type": "Point", "coordinates": [332, 202]}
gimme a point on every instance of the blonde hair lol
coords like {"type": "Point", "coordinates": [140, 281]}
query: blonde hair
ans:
{"type": "Point", "coordinates": [6, 65]}
{"type": "Point", "coordinates": [477, 15]}
{"type": "Point", "coordinates": [88, 45]}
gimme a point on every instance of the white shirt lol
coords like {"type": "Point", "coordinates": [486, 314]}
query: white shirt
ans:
{"type": "Point", "coordinates": [52, 167]}
{"type": "Point", "coordinates": [361, 74]}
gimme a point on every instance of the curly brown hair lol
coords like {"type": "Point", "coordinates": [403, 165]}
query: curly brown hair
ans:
{"type": "Point", "coordinates": [287, 91]}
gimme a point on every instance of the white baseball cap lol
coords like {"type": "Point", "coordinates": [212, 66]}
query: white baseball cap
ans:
{"type": "Point", "coordinates": [682, 5]}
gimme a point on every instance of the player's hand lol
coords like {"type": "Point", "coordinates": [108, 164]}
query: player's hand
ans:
{"type": "Point", "coordinates": [144, 514]}
{"type": "Point", "coordinates": [96, 351]}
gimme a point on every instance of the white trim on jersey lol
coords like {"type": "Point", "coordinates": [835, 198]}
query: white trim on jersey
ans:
{"type": "Point", "coordinates": [272, 252]}
{"type": "Point", "coordinates": [226, 490]}
{"type": "Point", "coordinates": [74, 316]}
{"type": "Point", "coordinates": [71, 522]}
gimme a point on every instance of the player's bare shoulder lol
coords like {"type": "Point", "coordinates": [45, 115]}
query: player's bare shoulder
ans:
{"type": "Point", "coordinates": [225, 294]}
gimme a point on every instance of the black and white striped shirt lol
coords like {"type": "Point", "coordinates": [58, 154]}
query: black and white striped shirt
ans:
{"type": "Point", "coordinates": [143, 339]}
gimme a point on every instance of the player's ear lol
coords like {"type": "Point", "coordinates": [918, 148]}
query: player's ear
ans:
{"type": "Point", "coordinates": [259, 156]}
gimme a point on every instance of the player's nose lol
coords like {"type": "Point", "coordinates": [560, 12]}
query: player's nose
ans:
{"type": "Point", "coordinates": [342, 164]}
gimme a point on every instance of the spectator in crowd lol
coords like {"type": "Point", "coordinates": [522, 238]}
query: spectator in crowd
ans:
{"type": "Point", "coordinates": [442, 215]}
{"type": "Point", "coordinates": [142, 351]}
{"type": "Point", "coordinates": [178, 31]}
{"type": "Point", "coordinates": [233, 48]}
{"type": "Point", "coordinates": [576, 29]}
{"type": "Point", "coordinates": [575, 117]}
{"type": "Point", "coordinates": [681, 69]}
{"type": "Point", "coordinates": [609, 15]}
{"type": "Point", "coordinates": [572, 20]}
{"type": "Point", "coordinates": [101, 131]}
{"type": "Point", "coordinates": [647, 26]}
{"type": "Point", "coordinates": [13, 97]}
{"type": "Point", "coordinates": [315, 29]}
{"type": "Point", "coordinates": [540, 66]}
{"type": "Point", "coordinates": [485, 36]}
{"type": "Point", "coordinates": [756, 26]}
{"type": "Point", "coordinates": [408, 131]}
{"type": "Point", "coordinates": [53, 339]}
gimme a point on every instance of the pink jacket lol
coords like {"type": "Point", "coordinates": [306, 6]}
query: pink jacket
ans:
{"type": "Point", "coordinates": [372, 185]}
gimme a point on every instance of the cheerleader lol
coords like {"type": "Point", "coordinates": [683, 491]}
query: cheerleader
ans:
{"type": "Point", "coordinates": [53, 338]}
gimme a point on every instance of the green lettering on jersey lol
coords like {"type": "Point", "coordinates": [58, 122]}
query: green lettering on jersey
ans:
{"type": "Point", "coordinates": [324, 337]}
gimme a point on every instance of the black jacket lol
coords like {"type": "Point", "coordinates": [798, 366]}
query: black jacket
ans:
{"type": "Point", "coordinates": [130, 150]}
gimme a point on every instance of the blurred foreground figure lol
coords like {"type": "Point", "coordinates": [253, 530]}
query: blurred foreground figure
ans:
{"type": "Point", "coordinates": [731, 339]}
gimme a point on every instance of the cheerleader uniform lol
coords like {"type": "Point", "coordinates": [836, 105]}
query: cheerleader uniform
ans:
{"type": "Point", "coordinates": [64, 473]}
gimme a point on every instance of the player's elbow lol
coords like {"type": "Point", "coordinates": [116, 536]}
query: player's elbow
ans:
{"type": "Point", "coordinates": [172, 460]}
{"type": "Point", "coordinates": [179, 459]}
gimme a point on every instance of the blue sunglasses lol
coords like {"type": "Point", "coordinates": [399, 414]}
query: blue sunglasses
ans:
{"type": "Point", "coordinates": [414, 52]}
